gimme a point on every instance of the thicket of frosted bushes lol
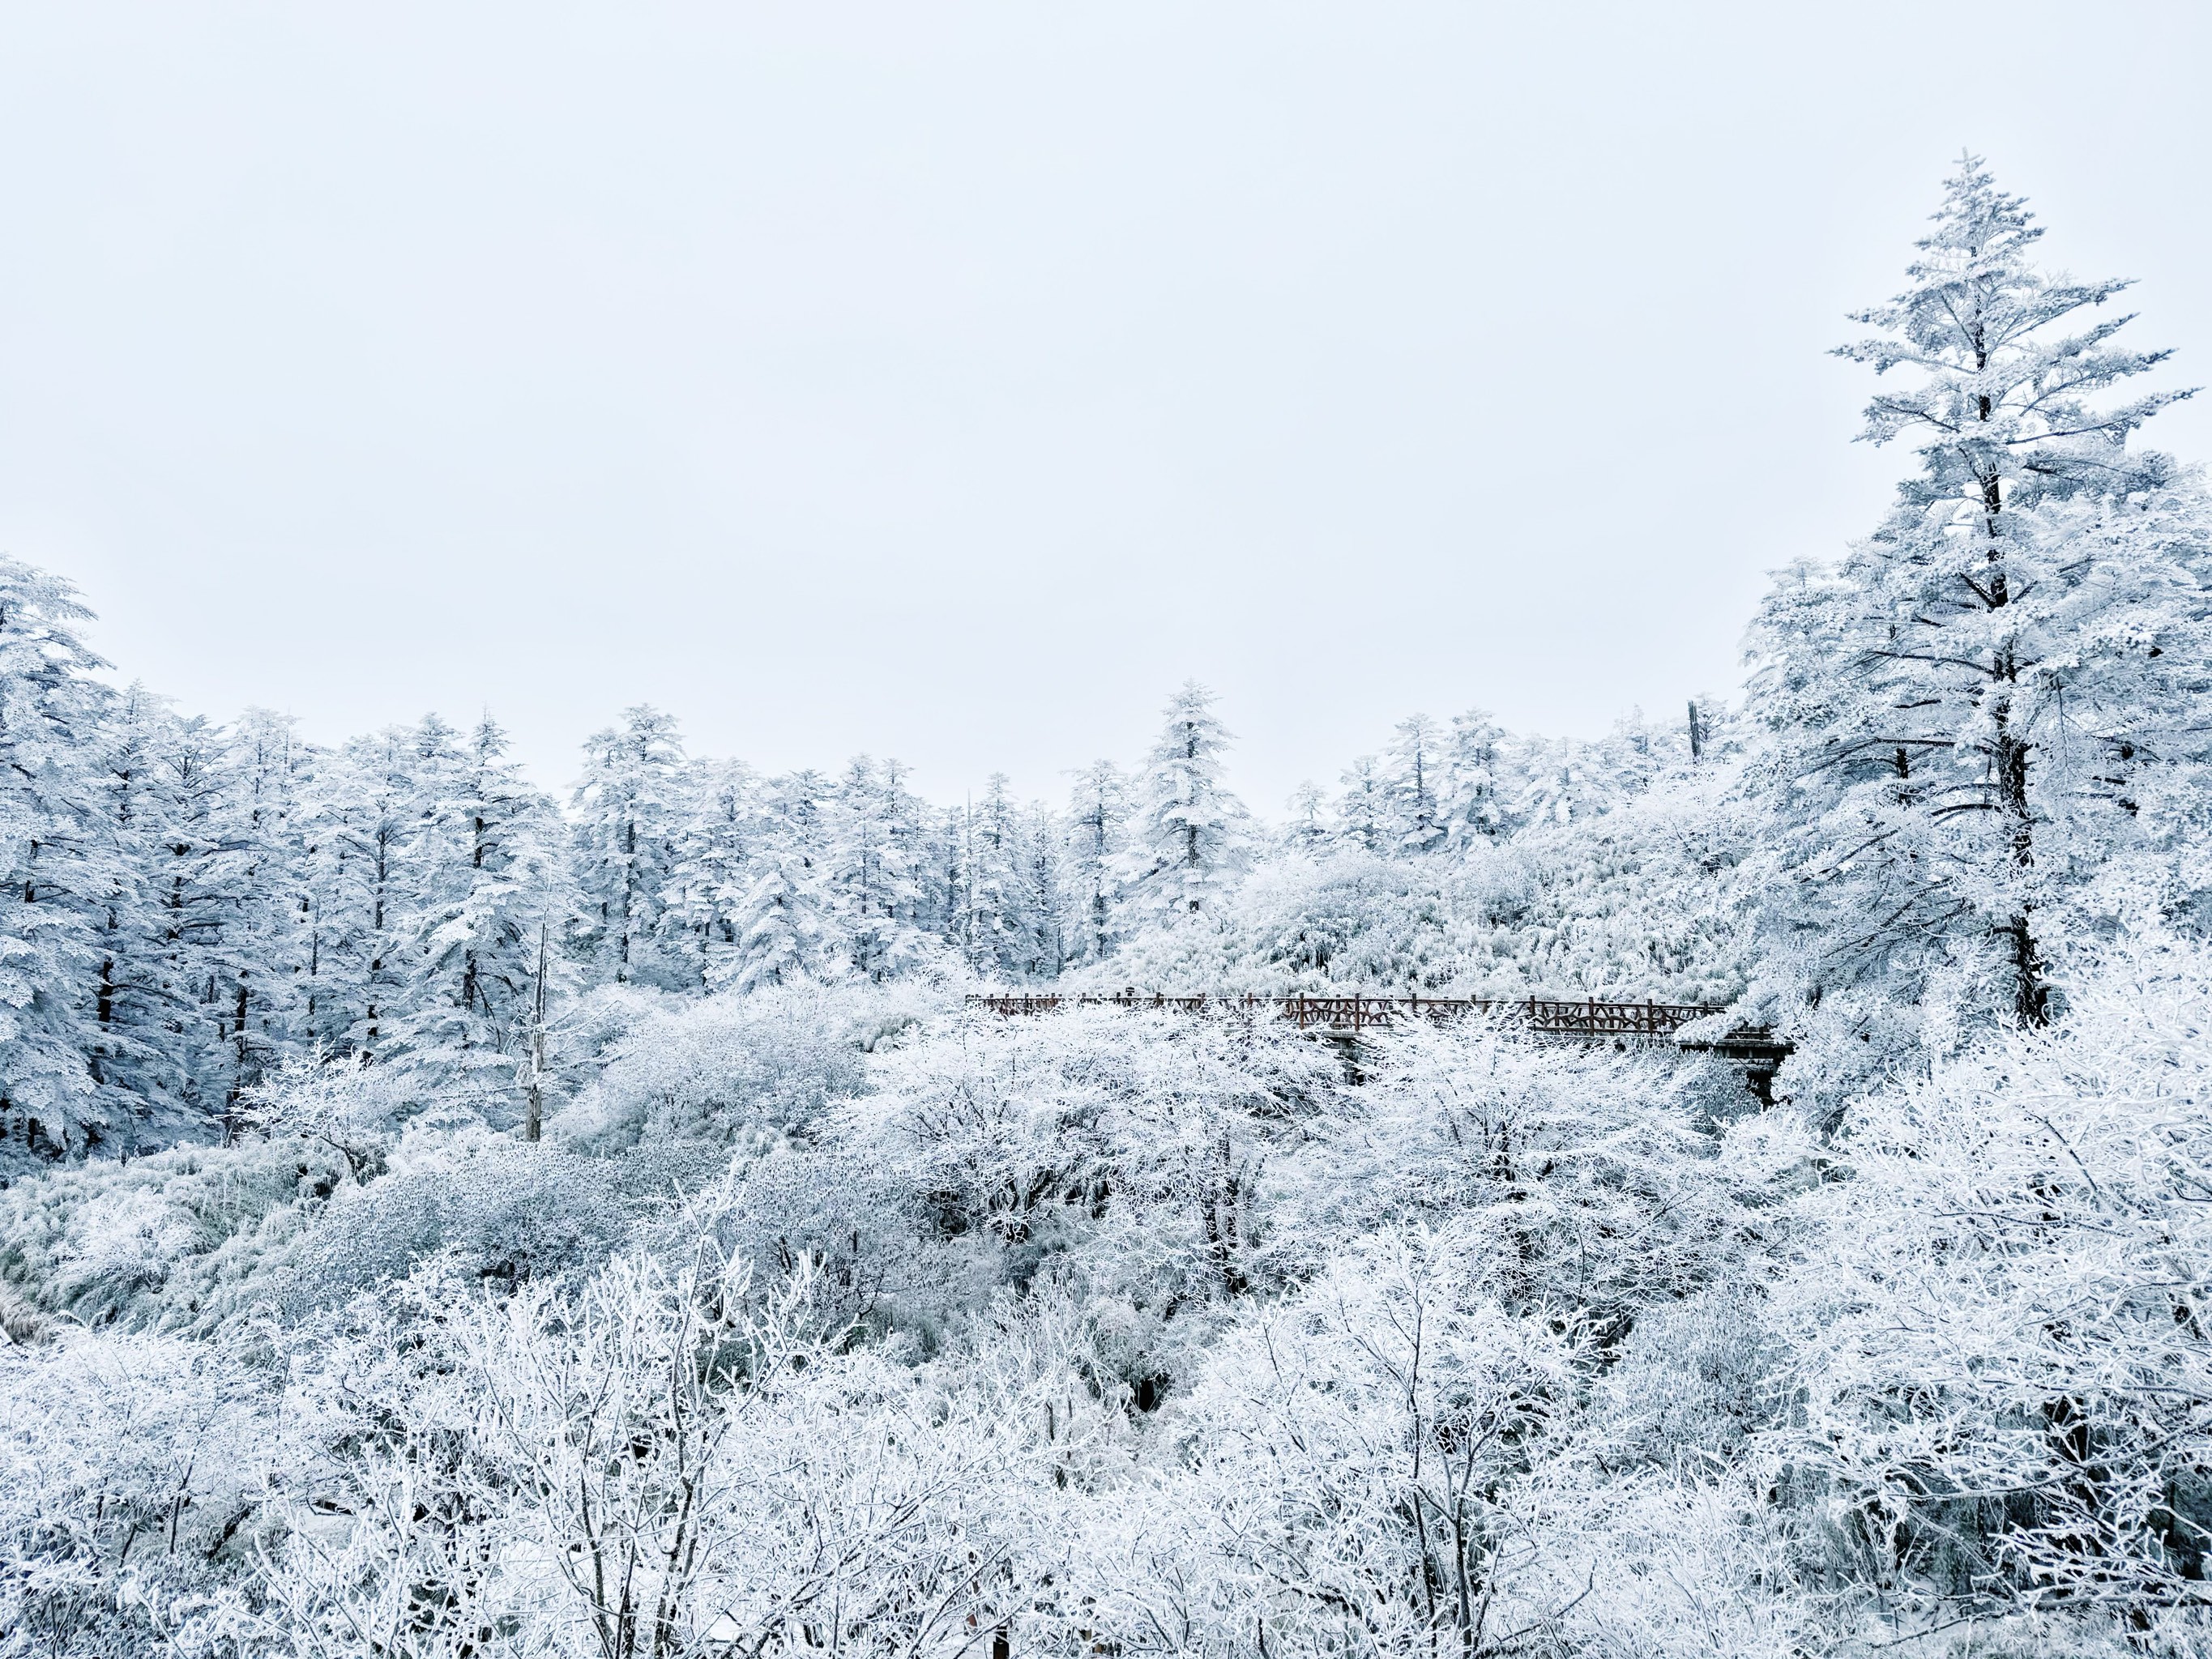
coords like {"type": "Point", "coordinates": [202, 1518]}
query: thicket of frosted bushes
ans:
{"type": "Point", "coordinates": [1127, 1334]}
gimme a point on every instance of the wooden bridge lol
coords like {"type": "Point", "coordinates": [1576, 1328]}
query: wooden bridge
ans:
{"type": "Point", "coordinates": [1589, 1020]}
{"type": "Point", "coordinates": [1755, 1048]}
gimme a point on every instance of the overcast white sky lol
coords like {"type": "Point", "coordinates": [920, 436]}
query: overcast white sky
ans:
{"type": "Point", "coordinates": [952, 381]}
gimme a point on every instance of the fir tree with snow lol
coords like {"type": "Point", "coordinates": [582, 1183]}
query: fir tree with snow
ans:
{"type": "Point", "coordinates": [2003, 688]}
{"type": "Point", "coordinates": [1190, 837]}
{"type": "Point", "coordinates": [52, 712]}
{"type": "Point", "coordinates": [627, 808]}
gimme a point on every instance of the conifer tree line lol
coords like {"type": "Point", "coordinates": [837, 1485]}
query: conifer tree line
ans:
{"type": "Point", "coordinates": [194, 901]}
{"type": "Point", "coordinates": [1980, 733]}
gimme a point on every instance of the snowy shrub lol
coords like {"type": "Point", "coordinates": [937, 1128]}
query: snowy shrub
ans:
{"type": "Point", "coordinates": [1640, 903]}
{"type": "Point", "coordinates": [131, 1467]}
{"type": "Point", "coordinates": [1138, 1139]}
{"type": "Point", "coordinates": [2000, 1317]}
{"type": "Point", "coordinates": [1695, 1381]}
{"type": "Point", "coordinates": [1659, 1564]}
{"type": "Point", "coordinates": [178, 1239]}
{"type": "Point", "coordinates": [703, 1073]}
{"type": "Point", "coordinates": [1353, 920]}
{"type": "Point", "coordinates": [1334, 1477]}
{"type": "Point", "coordinates": [841, 1218]}
{"type": "Point", "coordinates": [639, 1464]}
{"type": "Point", "coordinates": [1577, 1177]}
{"type": "Point", "coordinates": [353, 1109]}
{"type": "Point", "coordinates": [499, 1210]}
{"type": "Point", "coordinates": [1643, 902]}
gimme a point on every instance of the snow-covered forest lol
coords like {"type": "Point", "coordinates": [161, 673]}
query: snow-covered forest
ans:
{"type": "Point", "coordinates": [441, 1215]}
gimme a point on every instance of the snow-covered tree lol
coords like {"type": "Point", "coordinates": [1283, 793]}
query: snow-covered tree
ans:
{"type": "Point", "coordinates": [53, 879]}
{"type": "Point", "coordinates": [1097, 819]}
{"type": "Point", "coordinates": [366, 812]}
{"type": "Point", "coordinates": [712, 866]}
{"type": "Point", "coordinates": [2005, 685]}
{"type": "Point", "coordinates": [785, 932]}
{"type": "Point", "coordinates": [1472, 808]}
{"type": "Point", "coordinates": [873, 875]}
{"type": "Point", "coordinates": [1305, 830]}
{"type": "Point", "coordinates": [132, 1057]}
{"type": "Point", "coordinates": [198, 888]}
{"type": "Point", "coordinates": [1040, 941]}
{"type": "Point", "coordinates": [1997, 1315]}
{"type": "Point", "coordinates": [490, 890]}
{"type": "Point", "coordinates": [1364, 815]}
{"type": "Point", "coordinates": [986, 880]}
{"type": "Point", "coordinates": [1190, 837]}
{"type": "Point", "coordinates": [1414, 772]}
{"type": "Point", "coordinates": [271, 770]}
{"type": "Point", "coordinates": [627, 808]}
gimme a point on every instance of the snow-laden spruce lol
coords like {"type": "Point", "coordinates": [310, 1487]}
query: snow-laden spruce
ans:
{"type": "Point", "coordinates": [2004, 691]}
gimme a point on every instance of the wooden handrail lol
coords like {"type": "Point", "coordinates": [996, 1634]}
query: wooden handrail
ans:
{"type": "Point", "coordinates": [1587, 1017]}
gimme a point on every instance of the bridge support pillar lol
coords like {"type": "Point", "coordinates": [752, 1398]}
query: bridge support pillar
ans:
{"type": "Point", "coordinates": [1754, 1048]}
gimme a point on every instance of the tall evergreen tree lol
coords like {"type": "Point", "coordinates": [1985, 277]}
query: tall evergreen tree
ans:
{"type": "Point", "coordinates": [131, 1057]}
{"type": "Point", "coordinates": [53, 875]}
{"type": "Point", "coordinates": [1986, 697]}
{"type": "Point", "coordinates": [366, 810]}
{"type": "Point", "coordinates": [1191, 837]}
{"type": "Point", "coordinates": [1097, 830]}
{"type": "Point", "coordinates": [489, 880]}
{"type": "Point", "coordinates": [712, 854]}
{"type": "Point", "coordinates": [272, 769]}
{"type": "Point", "coordinates": [992, 921]}
{"type": "Point", "coordinates": [784, 931]}
{"type": "Point", "coordinates": [627, 808]}
{"type": "Point", "coordinates": [198, 890]}
{"type": "Point", "coordinates": [873, 874]}
{"type": "Point", "coordinates": [1472, 808]}
{"type": "Point", "coordinates": [1412, 773]}
{"type": "Point", "coordinates": [1039, 934]}
{"type": "Point", "coordinates": [1307, 830]}
{"type": "Point", "coordinates": [1364, 817]}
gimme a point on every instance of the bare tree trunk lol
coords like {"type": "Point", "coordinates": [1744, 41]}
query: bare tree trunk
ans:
{"type": "Point", "coordinates": [2009, 762]}
{"type": "Point", "coordinates": [534, 1115]}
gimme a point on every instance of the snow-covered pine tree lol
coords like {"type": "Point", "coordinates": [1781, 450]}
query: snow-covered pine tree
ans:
{"type": "Point", "coordinates": [1362, 810]}
{"type": "Point", "coordinates": [490, 878]}
{"type": "Point", "coordinates": [872, 878]}
{"type": "Point", "coordinates": [944, 883]}
{"type": "Point", "coordinates": [1097, 821]}
{"type": "Point", "coordinates": [364, 809]}
{"type": "Point", "coordinates": [333, 902]}
{"type": "Point", "coordinates": [271, 768]}
{"type": "Point", "coordinates": [52, 877]}
{"type": "Point", "coordinates": [1563, 780]}
{"type": "Point", "coordinates": [992, 922]}
{"type": "Point", "coordinates": [1988, 697]}
{"type": "Point", "coordinates": [1040, 939]}
{"type": "Point", "coordinates": [1306, 827]}
{"type": "Point", "coordinates": [198, 888]}
{"type": "Point", "coordinates": [1411, 774]}
{"type": "Point", "coordinates": [1472, 808]}
{"type": "Point", "coordinates": [627, 808]}
{"type": "Point", "coordinates": [712, 869]}
{"type": "Point", "coordinates": [785, 934]}
{"type": "Point", "coordinates": [133, 1061]}
{"type": "Point", "coordinates": [1191, 838]}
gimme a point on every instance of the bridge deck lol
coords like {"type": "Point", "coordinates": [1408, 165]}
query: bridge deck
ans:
{"type": "Point", "coordinates": [1588, 1019]}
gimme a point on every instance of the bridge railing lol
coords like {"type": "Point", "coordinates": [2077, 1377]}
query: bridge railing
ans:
{"type": "Point", "coordinates": [1588, 1019]}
